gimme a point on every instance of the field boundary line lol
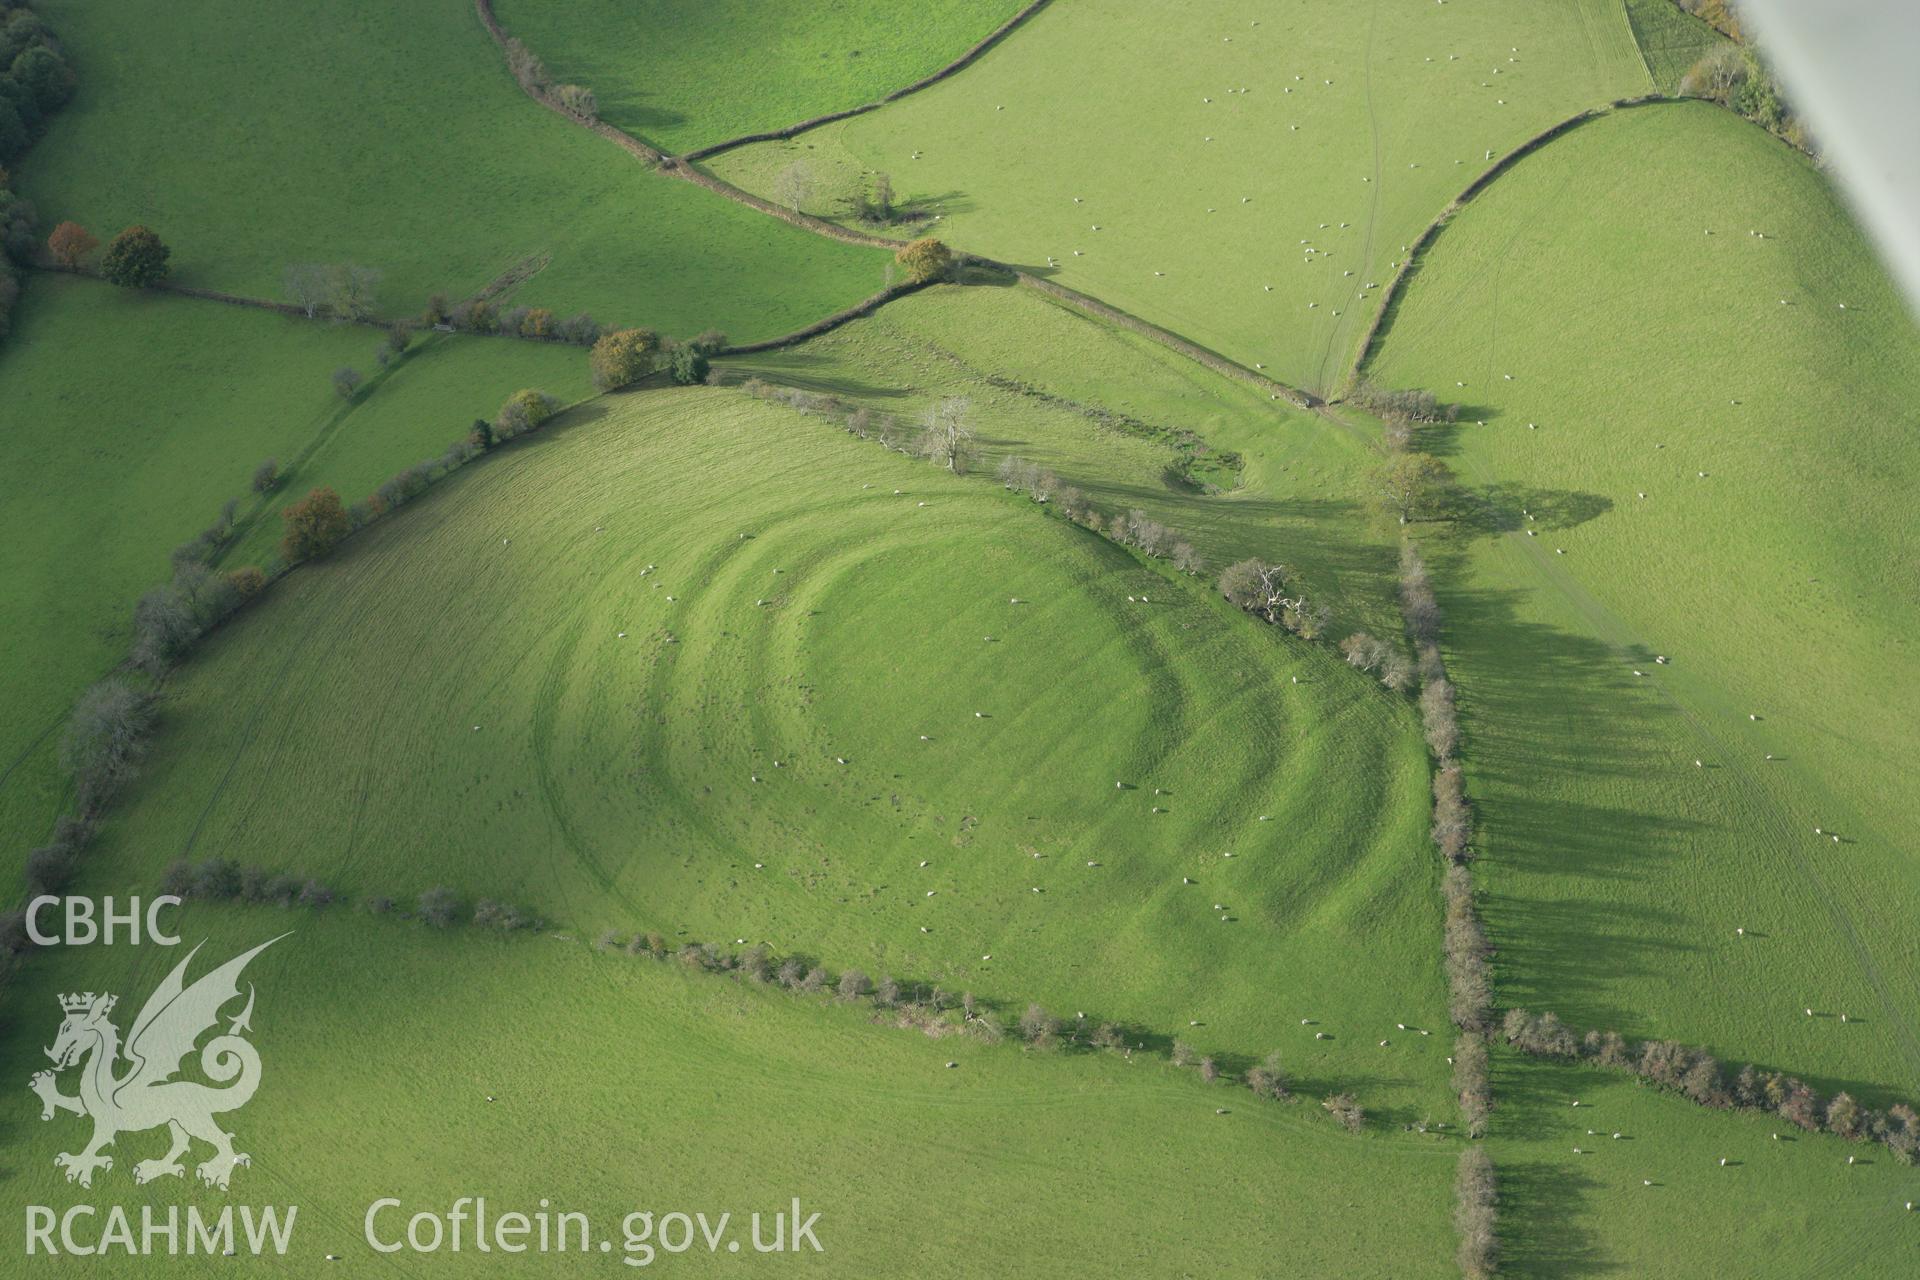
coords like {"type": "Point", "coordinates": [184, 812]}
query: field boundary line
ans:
{"type": "Point", "coordinates": [953, 68]}
{"type": "Point", "coordinates": [1165, 337]}
{"type": "Point", "coordinates": [865, 307]}
{"type": "Point", "coordinates": [1390, 300]}
{"type": "Point", "coordinates": [289, 309]}
{"type": "Point", "coordinates": [682, 167]}
{"type": "Point", "coordinates": [618, 137]}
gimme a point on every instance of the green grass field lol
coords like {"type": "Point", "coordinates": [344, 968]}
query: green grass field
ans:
{"type": "Point", "coordinates": [1347, 141]}
{"type": "Point", "coordinates": [137, 416]}
{"type": "Point", "coordinates": [494, 692]}
{"type": "Point", "coordinates": [1789, 1208]}
{"type": "Point", "coordinates": [625, 1084]}
{"type": "Point", "coordinates": [392, 136]}
{"type": "Point", "coordinates": [1725, 457]}
{"type": "Point", "coordinates": [693, 661]}
{"type": "Point", "coordinates": [686, 74]}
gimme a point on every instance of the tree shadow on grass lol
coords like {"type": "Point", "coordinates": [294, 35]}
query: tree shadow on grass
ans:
{"type": "Point", "coordinates": [630, 109]}
{"type": "Point", "coordinates": [1509, 508]}
{"type": "Point", "coordinates": [1553, 736]}
{"type": "Point", "coordinates": [809, 372]}
{"type": "Point", "coordinates": [923, 206]}
{"type": "Point", "coordinates": [1542, 1202]}
{"type": "Point", "coordinates": [1540, 1231]}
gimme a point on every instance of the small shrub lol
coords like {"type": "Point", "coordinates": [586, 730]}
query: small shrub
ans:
{"type": "Point", "coordinates": [440, 906]}
{"type": "Point", "coordinates": [1346, 1110]}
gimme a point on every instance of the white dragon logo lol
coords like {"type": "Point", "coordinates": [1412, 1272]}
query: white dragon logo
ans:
{"type": "Point", "coordinates": [147, 1096]}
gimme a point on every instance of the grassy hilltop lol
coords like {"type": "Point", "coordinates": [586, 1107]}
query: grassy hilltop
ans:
{"type": "Point", "coordinates": [714, 662]}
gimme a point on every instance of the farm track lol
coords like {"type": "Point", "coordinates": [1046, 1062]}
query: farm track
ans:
{"type": "Point", "coordinates": [1373, 201]}
{"type": "Point", "coordinates": [683, 168]}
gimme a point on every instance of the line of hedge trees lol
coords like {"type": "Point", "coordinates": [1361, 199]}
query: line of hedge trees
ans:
{"type": "Point", "coordinates": [1133, 528]}
{"type": "Point", "coordinates": [224, 880]}
{"type": "Point", "coordinates": [1476, 1214]}
{"type": "Point", "coordinates": [107, 732]}
{"type": "Point", "coordinates": [1699, 1076]}
{"type": "Point", "coordinates": [1465, 947]}
{"type": "Point", "coordinates": [933, 1010]}
{"type": "Point", "coordinates": [35, 82]}
{"type": "Point", "coordinates": [1268, 590]}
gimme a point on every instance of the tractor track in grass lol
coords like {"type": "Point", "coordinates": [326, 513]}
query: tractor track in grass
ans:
{"type": "Point", "coordinates": [268, 696]}
{"type": "Point", "coordinates": [1373, 201]}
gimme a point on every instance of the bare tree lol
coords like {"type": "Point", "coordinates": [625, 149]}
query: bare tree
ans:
{"type": "Point", "coordinates": [947, 436]}
{"type": "Point", "coordinates": [1261, 589]}
{"type": "Point", "coordinates": [104, 740]}
{"type": "Point", "coordinates": [307, 288]}
{"type": "Point", "coordinates": [793, 186]}
{"type": "Point", "coordinates": [1475, 1197]}
{"type": "Point", "coordinates": [1037, 1026]}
